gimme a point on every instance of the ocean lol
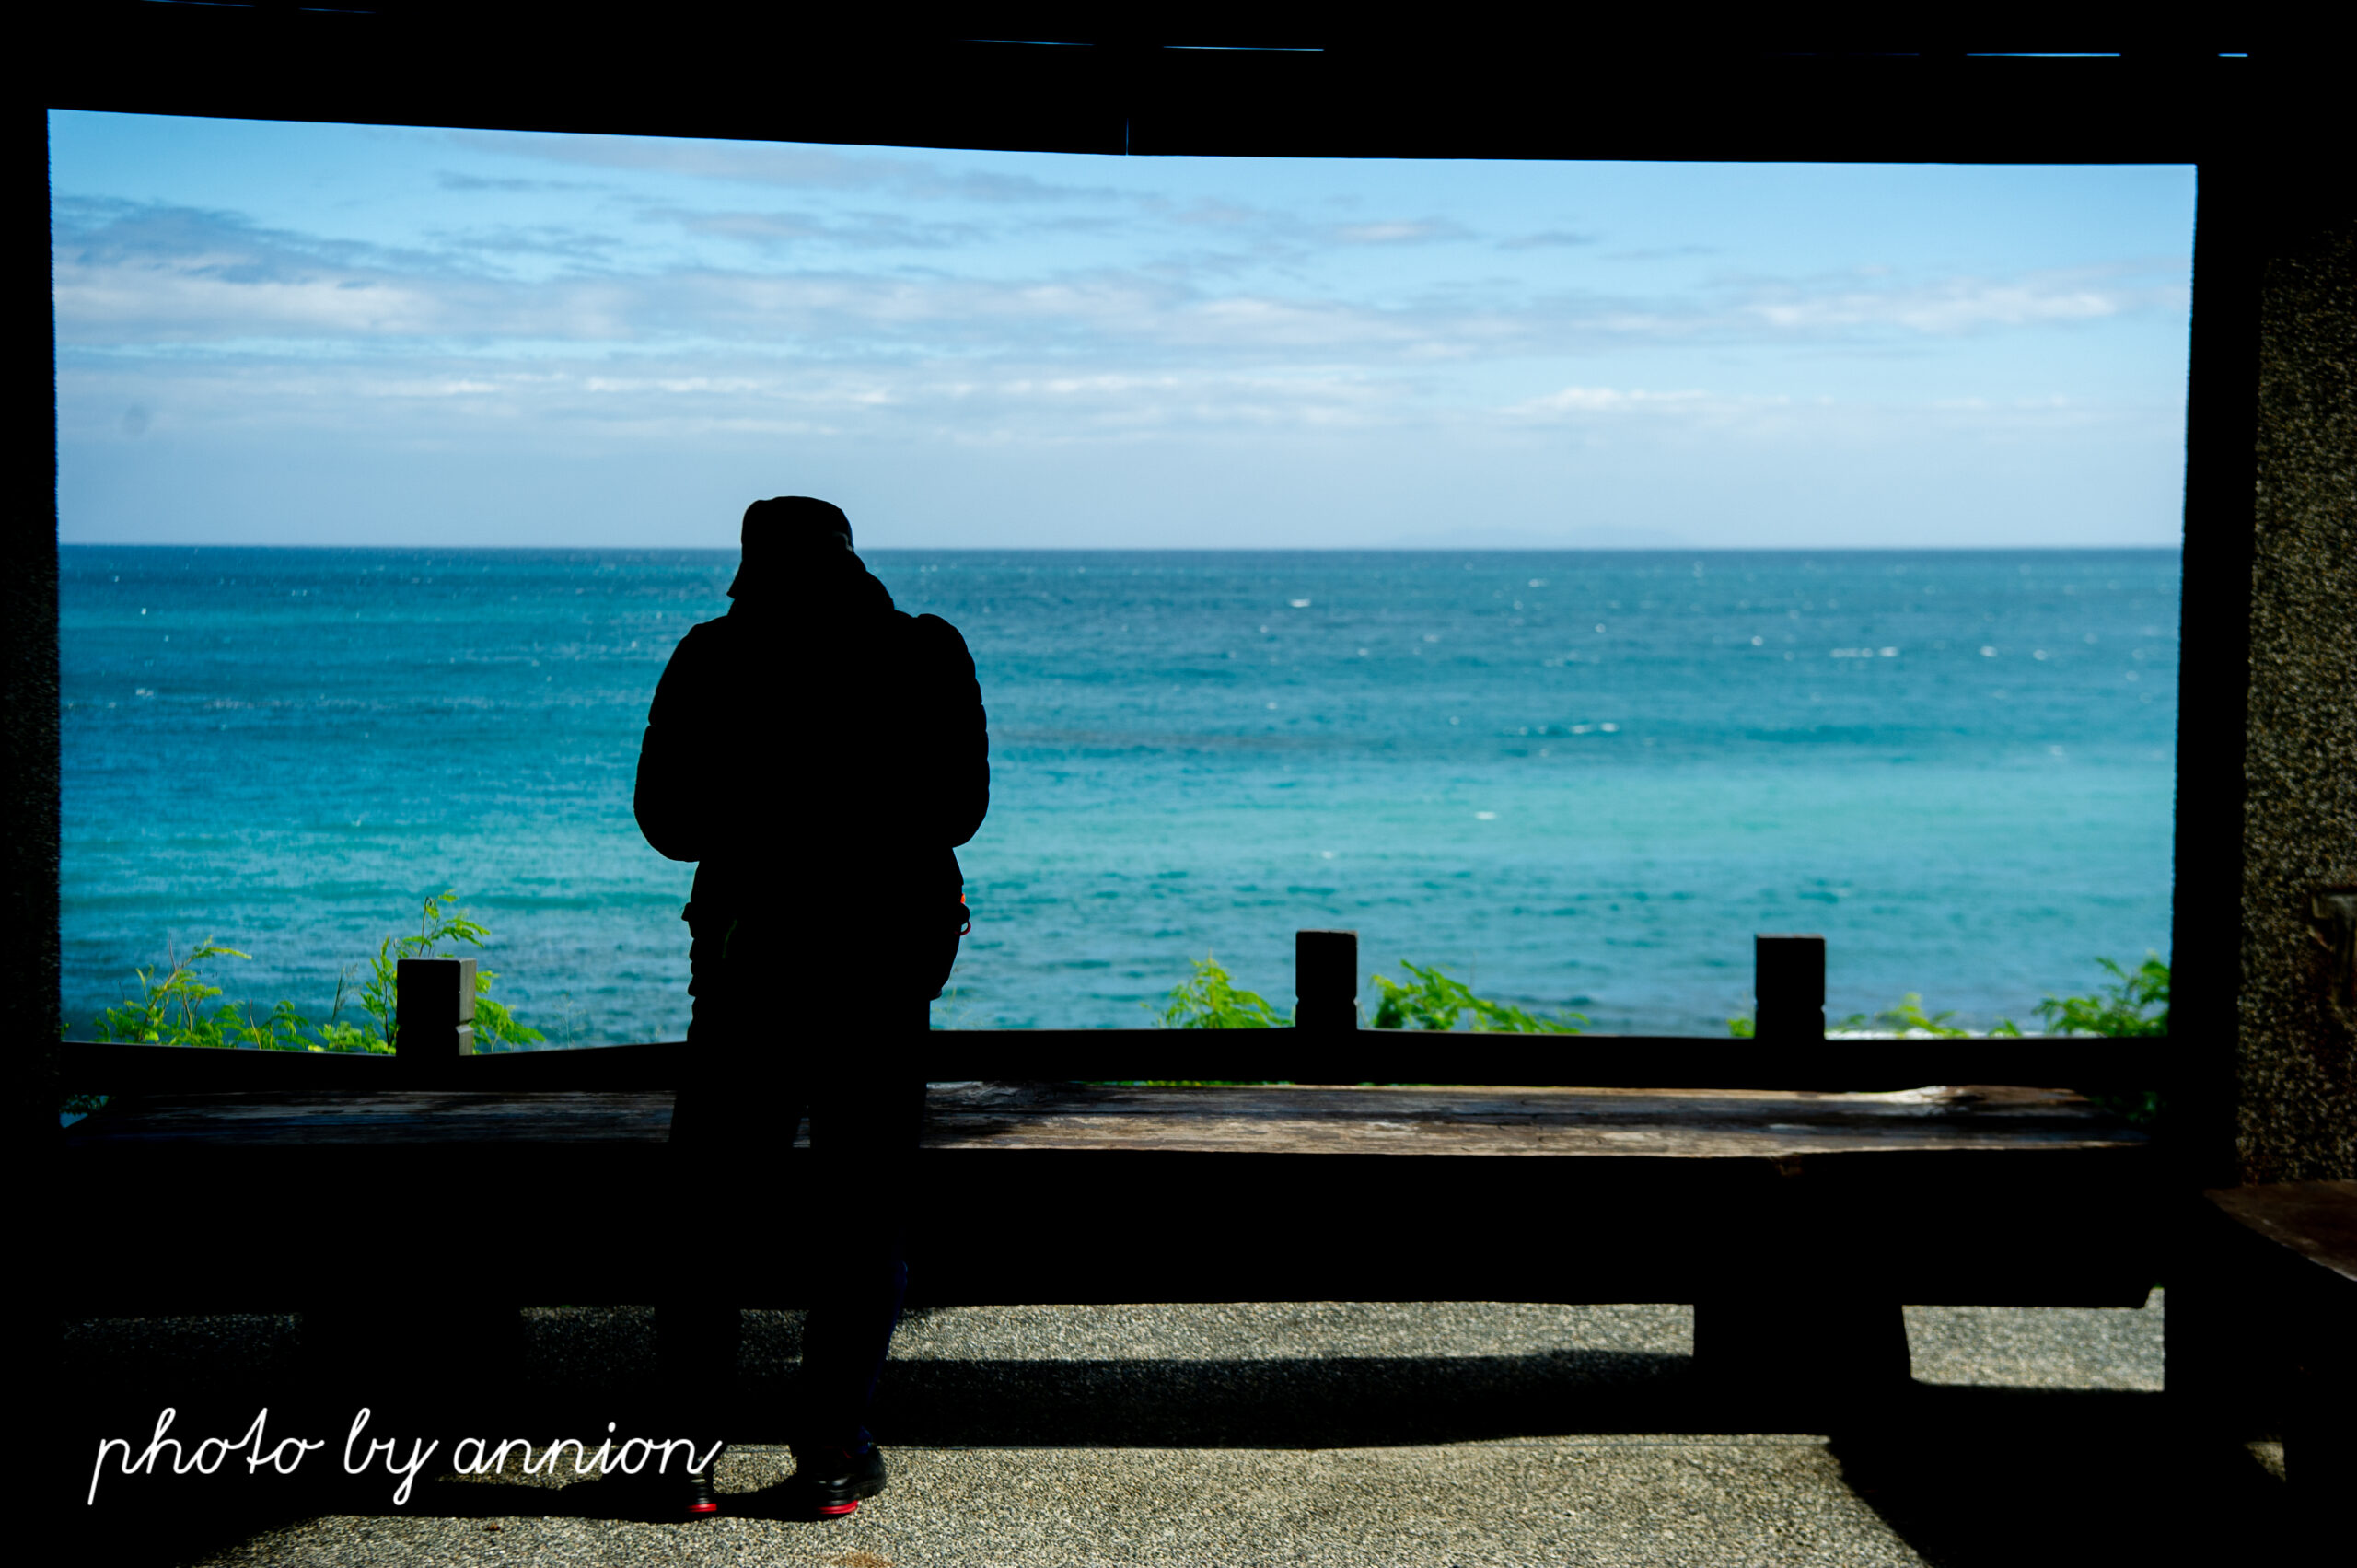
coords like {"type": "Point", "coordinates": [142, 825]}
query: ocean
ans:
{"type": "Point", "coordinates": [1579, 780]}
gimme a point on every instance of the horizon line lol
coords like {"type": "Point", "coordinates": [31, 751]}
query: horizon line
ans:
{"type": "Point", "coordinates": [1175, 549]}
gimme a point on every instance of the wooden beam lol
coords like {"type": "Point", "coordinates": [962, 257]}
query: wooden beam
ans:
{"type": "Point", "coordinates": [1241, 1055]}
{"type": "Point", "coordinates": [1572, 89]}
{"type": "Point", "coordinates": [1420, 1194]}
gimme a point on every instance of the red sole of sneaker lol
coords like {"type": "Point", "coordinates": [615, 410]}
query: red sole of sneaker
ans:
{"type": "Point", "coordinates": [838, 1510]}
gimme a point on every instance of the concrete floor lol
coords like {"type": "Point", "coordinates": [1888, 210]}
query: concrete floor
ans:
{"type": "Point", "coordinates": [1305, 1434]}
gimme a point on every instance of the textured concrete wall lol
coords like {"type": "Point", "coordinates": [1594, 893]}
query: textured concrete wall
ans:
{"type": "Point", "coordinates": [28, 643]}
{"type": "Point", "coordinates": [2298, 1055]}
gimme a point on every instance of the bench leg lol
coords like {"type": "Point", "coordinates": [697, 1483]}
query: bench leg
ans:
{"type": "Point", "coordinates": [2320, 1426]}
{"type": "Point", "coordinates": [1810, 1356]}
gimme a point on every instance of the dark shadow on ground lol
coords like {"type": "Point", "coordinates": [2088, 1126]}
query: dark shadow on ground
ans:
{"type": "Point", "coordinates": [1325, 1403]}
{"type": "Point", "coordinates": [2000, 1477]}
{"type": "Point", "coordinates": [1311, 1402]}
{"type": "Point", "coordinates": [1969, 1477]}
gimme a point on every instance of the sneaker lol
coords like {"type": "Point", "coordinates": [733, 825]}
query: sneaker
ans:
{"type": "Point", "coordinates": [665, 1495]}
{"type": "Point", "coordinates": [832, 1480]}
{"type": "Point", "coordinates": [698, 1498]}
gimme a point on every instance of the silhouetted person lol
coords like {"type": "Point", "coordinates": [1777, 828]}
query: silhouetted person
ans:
{"type": "Point", "coordinates": [820, 755]}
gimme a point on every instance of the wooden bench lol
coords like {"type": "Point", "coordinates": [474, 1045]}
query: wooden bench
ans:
{"type": "Point", "coordinates": [1622, 1168]}
{"type": "Point", "coordinates": [2273, 1311]}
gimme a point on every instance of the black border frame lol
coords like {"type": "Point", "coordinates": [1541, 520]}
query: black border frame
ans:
{"type": "Point", "coordinates": [1300, 81]}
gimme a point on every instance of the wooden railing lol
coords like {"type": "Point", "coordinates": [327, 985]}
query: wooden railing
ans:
{"type": "Point", "coordinates": [435, 1049]}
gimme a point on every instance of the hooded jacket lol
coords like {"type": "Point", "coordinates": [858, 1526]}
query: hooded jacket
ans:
{"type": "Point", "coordinates": [820, 755]}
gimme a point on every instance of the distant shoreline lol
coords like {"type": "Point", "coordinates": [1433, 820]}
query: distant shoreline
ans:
{"type": "Point", "coordinates": [730, 551]}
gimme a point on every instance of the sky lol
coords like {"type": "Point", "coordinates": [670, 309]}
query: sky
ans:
{"type": "Point", "coordinates": [285, 334]}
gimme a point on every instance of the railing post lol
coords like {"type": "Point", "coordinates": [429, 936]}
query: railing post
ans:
{"type": "Point", "coordinates": [1833, 1355]}
{"type": "Point", "coordinates": [434, 1011]}
{"type": "Point", "coordinates": [1788, 988]}
{"type": "Point", "coordinates": [1325, 980]}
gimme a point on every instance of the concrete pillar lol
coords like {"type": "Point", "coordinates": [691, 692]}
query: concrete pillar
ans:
{"type": "Point", "coordinates": [2295, 1064]}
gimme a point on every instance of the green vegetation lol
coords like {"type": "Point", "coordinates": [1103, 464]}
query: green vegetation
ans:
{"type": "Point", "coordinates": [2124, 1009]}
{"type": "Point", "coordinates": [1435, 1001]}
{"type": "Point", "coordinates": [172, 1011]}
{"type": "Point", "coordinates": [1207, 999]}
{"type": "Point", "coordinates": [2135, 1004]}
{"type": "Point", "coordinates": [181, 1009]}
{"type": "Point", "coordinates": [1906, 1018]}
{"type": "Point", "coordinates": [1210, 999]}
{"type": "Point", "coordinates": [437, 928]}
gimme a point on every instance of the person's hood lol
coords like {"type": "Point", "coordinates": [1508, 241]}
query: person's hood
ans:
{"type": "Point", "coordinates": [794, 545]}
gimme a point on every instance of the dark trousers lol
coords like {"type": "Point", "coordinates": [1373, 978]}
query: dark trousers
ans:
{"type": "Point", "coordinates": [758, 1217]}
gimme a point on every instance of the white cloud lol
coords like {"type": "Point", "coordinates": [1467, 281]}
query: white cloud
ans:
{"type": "Point", "coordinates": [855, 231]}
{"type": "Point", "coordinates": [179, 326]}
{"type": "Point", "coordinates": [1954, 307]}
{"type": "Point", "coordinates": [1546, 238]}
{"type": "Point", "coordinates": [1606, 399]}
{"type": "Point", "coordinates": [1416, 232]}
{"type": "Point", "coordinates": [132, 279]}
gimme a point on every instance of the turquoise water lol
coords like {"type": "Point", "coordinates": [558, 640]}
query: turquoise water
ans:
{"type": "Point", "coordinates": [1581, 779]}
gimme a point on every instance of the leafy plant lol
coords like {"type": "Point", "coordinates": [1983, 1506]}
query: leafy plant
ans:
{"type": "Point", "coordinates": [1435, 1000]}
{"type": "Point", "coordinates": [2135, 1004]}
{"type": "Point", "coordinates": [171, 1011]}
{"type": "Point", "coordinates": [1210, 999]}
{"type": "Point", "coordinates": [1906, 1018]}
{"type": "Point", "coordinates": [2123, 1009]}
{"type": "Point", "coordinates": [180, 1009]}
{"type": "Point", "coordinates": [441, 925]}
